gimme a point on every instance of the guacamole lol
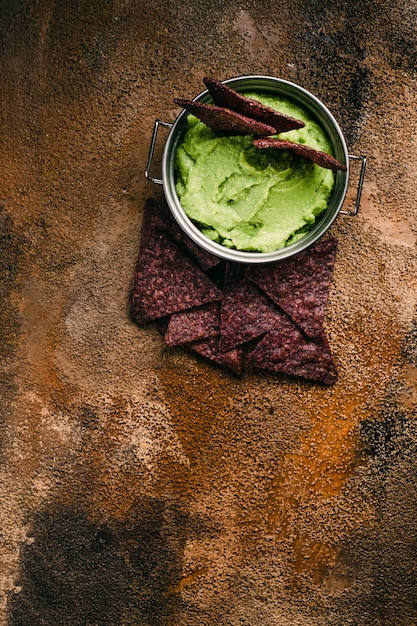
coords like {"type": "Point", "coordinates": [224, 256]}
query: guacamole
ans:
{"type": "Point", "coordinates": [247, 198]}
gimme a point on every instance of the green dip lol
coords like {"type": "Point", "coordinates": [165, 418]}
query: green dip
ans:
{"type": "Point", "coordinates": [247, 198]}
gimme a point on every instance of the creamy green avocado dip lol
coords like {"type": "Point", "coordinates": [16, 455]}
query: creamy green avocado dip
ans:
{"type": "Point", "coordinates": [247, 198]}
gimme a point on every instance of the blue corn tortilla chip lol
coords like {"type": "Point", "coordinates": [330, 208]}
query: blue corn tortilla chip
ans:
{"type": "Point", "coordinates": [225, 96]}
{"type": "Point", "coordinates": [194, 324]}
{"type": "Point", "coordinates": [166, 281]}
{"type": "Point", "coordinates": [300, 285]}
{"type": "Point", "coordinates": [225, 121]}
{"type": "Point", "coordinates": [158, 218]}
{"type": "Point", "coordinates": [286, 349]}
{"type": "Point", "coordinates": [209, 349]}
{"type": "Point", "coordinates": [246, 313]}
{"type": "Point", "coordinates": [323, 159]}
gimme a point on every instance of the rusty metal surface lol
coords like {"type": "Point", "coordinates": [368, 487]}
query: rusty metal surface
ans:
{"type": "Point", "coordinates": [142, 486]}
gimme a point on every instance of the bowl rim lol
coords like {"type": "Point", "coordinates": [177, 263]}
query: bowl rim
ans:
{"type": "Point", "coordinates": [324, 118]}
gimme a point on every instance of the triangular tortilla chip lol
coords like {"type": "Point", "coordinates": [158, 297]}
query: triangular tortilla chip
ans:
{"type": "Point", "coordinates": [225, 96]}
{"type": "Point", "coordinates": [287, 350]}
{"type": "Point", "coordinates": [194, 324]}
{"type": "Point", "coordinates": [209, 349]}
{"type": "Point", "coordinates": [158, 217]}
{"type": "Point", "coordinates": [167, 281]}
{"type": "Point", "coordinates": [300, 285]}
{"type": "Point", "coordinates": [246, 313]}
{"type": "Point", "coordinates": [225, 121]}
{"type": "Point", "coordinates": [323, 159]}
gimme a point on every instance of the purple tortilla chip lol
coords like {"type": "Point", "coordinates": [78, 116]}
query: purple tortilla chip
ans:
{"type": "Point", "coordinates": [158, 217]}
{"type": "Point", "coordinates": [209, 349]}
{"type": "Point", "coordinates": [193, 325]}
{"type": "Point", "coordinates": [287, 350]}
{"type": "Point", "coordinates": [225, 121]}
{"type": "Point", "coordinates": [225, 96]}
{"type": "Point", "coordinates": [246, 313]}
{"type": "Point", "coordinates": [323, 159]}
{"type": "Point", "coordinates": [300, 285]}
{"type": "Point", "coordinates": [167, 281]}
{"type": "Point", "coordinates": [153, 222]}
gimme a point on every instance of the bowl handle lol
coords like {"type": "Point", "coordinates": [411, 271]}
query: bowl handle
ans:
{"type": "Point", "coordinates": [360, 185]}
{"type": "Point", "coordinates": [158, 123]}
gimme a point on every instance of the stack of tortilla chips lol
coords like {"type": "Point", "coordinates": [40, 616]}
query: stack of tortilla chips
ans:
{"type": "Point", "coordinates": [238, 316]}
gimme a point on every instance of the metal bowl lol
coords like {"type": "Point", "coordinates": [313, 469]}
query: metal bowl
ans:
{"type": "Point", "coordinates": [274, 86]}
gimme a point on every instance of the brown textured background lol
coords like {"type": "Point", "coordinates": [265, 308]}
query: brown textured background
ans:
{"type": "Point", "coordinates": [141, 486]}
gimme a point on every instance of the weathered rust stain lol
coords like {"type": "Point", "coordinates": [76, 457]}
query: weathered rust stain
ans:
{"type": "Point", "coordinates": [317, 471]}
{"type": "Point", "coordinates": [188, 580]}
{"type": "Point", "coordinates": [40, 309]}
{"type": "Point", "coordinates": [408, 397]}
{"type": "Point", "coordinates": [199, 396]}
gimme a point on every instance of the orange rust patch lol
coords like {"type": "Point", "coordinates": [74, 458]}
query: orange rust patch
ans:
{"type": "Point", "coordinates": [409, 396]}
{"type": "Point", "coordinates": [189, 580]}
{"type": "Point", "coordinates": [198, 395]}
{"type": "Point", "coordinates": [312, 556]}
{"type": "Point", "coordinates": [315, 474]}
{"type": "Point", "coordinates": [40, 309]}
